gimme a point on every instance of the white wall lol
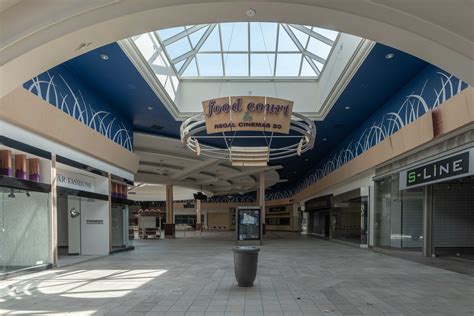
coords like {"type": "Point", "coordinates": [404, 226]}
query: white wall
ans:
{"type": "Point", "coordinates": [94, 237]}
{"type": "Point", "coordinates": [74, 225]}
{"type": "Point", "coordinates": [305, 94]}
{"type": "Point", "coordinates": [342, 54]}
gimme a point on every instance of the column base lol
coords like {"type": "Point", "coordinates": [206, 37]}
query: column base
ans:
{"type": "Point", "coordinates": [264, 229]}
{"type": "Point", "coordinates": [170, 231]}
{"type": "Point", "coordinates": [199, 227]}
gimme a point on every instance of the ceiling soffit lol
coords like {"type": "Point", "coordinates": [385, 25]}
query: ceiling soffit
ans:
{"type": "Point", "coordinates": [166, 161]}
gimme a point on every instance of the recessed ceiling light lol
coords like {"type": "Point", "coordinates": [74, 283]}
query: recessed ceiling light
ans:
{"type": "Point", "coordinates": [104, 56]}
{"type": "Point", "coordinates": [295, 172]}
{"type": "Point", "coordinates": [325, 139]}
{"type": "Point", "coordinates": [347, 107]}
{"type": "Point", "coordinates": [150, 108]}
{"type": "Point", "coordinates": [306, 159]}
{"type": "Point", "coordinates": [250, 13]}
{"type": "Point", "coordinates": [389, 56]}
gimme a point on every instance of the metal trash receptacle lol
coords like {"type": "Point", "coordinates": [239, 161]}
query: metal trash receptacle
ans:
{"type": "Point", "coordinates": [245, 264]}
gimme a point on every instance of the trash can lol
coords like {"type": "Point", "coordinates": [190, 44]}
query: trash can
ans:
{"type": "Point", "coordinates": [245, 264]}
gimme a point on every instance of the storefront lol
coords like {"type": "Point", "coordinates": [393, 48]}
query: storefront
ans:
{"type": "Point", "coordinates": [318, 218]}
{"type": "Point", "coordinates": [349, 216]}
{"type": "Point", "coordinates": [281, 218]}
{"type": "Point", "coordinates": [427, 203]}
{"type": "Point", "coordinates": [25, 199]}
{"type": "Point", "coordinates": [121, 236]}
{"type": "Point", "coordinates": [83, 225]}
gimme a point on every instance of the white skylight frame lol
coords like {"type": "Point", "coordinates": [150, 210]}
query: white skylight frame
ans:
{"type": "Point", "coordinates": [303, 38]}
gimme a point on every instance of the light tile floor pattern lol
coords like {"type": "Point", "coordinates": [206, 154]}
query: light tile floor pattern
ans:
{"type": "Point", "coordinates": [194, 276]}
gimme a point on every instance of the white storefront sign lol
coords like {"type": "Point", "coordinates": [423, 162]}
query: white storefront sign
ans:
{"type": "Point", "coordinates": [75, 181]}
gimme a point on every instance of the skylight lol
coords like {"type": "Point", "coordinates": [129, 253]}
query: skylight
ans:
{"type": "Point", "coordinates": [243, 50]}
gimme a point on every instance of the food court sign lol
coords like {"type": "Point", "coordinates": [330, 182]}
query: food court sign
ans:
{"type": "Point", "coordinates": [247, 113]}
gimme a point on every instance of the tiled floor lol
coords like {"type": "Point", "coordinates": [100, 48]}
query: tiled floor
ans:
{"type": "Point", "coordinates": [194, 276]}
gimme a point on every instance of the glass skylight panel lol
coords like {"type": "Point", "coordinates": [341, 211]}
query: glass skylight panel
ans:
{"type": "Point", "coordinates": [179, 65]}
{"type": "Point", "coordinates": [307, 70]}
{"type": "Point", "coordinates": [210, 64]}
{"type": "Point", "coordinates": [288, 65]}
{"type": "Point", "coordinates": [242, 49]}
{"type": "Point", "coordinates": [332, 35]}
{"type": "Point", "coordinates": [213, 42]}
{"type": "Point", "coordinates": [262, 64]}
{"type": "Point", "coordinates": [196, 36]}
{"type": "Point", "coordinates": [263, 36]}
{"type": "Point", "coordinates": [178, 48]}
{"type": "Point", "coordinates": [236, 64]}
{"type": "Point", "coordinates": [285, 43]}
{"type": "Point", "coordinates": [319, 48]}
{"type": "Point", "coordinates": [191, 70]}
{"type": "Point", "coordinates": [302, 37]}
{"type": "Point", "coordinates": [319, 65]}
{"type": "Point", "coordinates": [234, 36]}
{"type": "Point", "coordinates": [146, 45]}
{"type": "Point", "coordinates": [167, 33]}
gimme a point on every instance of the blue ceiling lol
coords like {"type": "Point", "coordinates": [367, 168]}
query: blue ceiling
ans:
{"type": "Point", "coordinates": [377, 79]}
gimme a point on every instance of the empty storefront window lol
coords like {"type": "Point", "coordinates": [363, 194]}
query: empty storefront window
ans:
{"type": "Point", "coordinates": [24, 229]}
{"type": "Point", "coordinates": [398, 215]}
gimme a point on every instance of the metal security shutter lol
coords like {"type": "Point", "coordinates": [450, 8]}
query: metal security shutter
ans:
{"type": "Point", "coordinates": [453, 214]}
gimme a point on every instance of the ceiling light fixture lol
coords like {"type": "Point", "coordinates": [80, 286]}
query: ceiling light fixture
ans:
{"type": "Point", "coordinates": [389, 56]}
{"type": "Point", "coordinates": [325, 139]}
{"type": "Point", "coordinates": [250, 13]}
{"type": "Point", "coordinates": [104, 56]}
{"type": "Point", "coordinates": [150, 108]}
{"type": "Point", "coordinates": [347, 108]}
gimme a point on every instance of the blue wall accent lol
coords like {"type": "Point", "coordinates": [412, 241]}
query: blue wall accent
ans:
{"type": "Point", "coordinates": [61, 88]}
{"type": "Point", "coordinates": [426, 91]}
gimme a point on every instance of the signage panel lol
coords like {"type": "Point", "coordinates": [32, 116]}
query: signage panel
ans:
{"type": "Point", "coordinates": [247, 113]}
{"type": "Point", "coordinates": [455, 166]}
{"type": "Point", "coordinates": [75, 181]}
{"type": "Point", "coordinates": [248, 225]}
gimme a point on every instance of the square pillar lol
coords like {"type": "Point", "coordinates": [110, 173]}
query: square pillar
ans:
{"type": "Point", "coordinates": [428, 222]}
{"type": "Point", "coordinates": [198, 215]}
{"type": "Point", "coordinates": [261, 200]}
{"type": "Point", "coordinates": [169, 226]}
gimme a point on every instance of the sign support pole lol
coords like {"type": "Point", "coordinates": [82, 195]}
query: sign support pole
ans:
{"type": "Point", "coordinates": [261, 203]}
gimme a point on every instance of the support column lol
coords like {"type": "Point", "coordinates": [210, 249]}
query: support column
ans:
{"type": "Point", "coordinates": [54, 213]}
{"type": "Point", "coordinates": [110, 211]}
{"type": "Point", "coordinates": [169, 226]}
{"type": "Point", "coordinates": [428, 222]}
{"type": "Point", "coordinates": [198, 215]}
{"type": "Point", "coordinates": [261, 200]}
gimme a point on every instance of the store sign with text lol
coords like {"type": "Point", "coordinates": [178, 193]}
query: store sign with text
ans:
{"type": "Point", "coordinates": [247, 113]}
{"type": "Point", "coordinates": [75, 181]}
{"type": "Point", "coordinates": [452, 167]}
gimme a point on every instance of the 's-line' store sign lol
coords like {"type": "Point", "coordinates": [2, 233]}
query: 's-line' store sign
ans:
{"type": "Point", "coordinates": [247, 113]}
{"type": "Point", "coordinates": [75, 181]}
{"type": "Point", "coordinates": [452, 167]}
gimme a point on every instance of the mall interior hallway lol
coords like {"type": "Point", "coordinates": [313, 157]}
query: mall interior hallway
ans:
{"type": "Point", "coordinates": [194, 276]}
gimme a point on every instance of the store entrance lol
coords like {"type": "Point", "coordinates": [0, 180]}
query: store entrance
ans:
{"type": "Point", "coordinates": [453, 218]}
{"type": "Point", "coordinates": [69, 225]}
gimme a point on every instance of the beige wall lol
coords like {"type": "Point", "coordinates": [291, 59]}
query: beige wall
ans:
{"type": "Point", "coordinates": [218, 221]}
{"type": "Point", "coordinates": [32, 113]}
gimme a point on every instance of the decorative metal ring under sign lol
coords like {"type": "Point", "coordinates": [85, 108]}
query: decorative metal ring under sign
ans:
{"type": "Point", "coordinates": [253, 121]}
